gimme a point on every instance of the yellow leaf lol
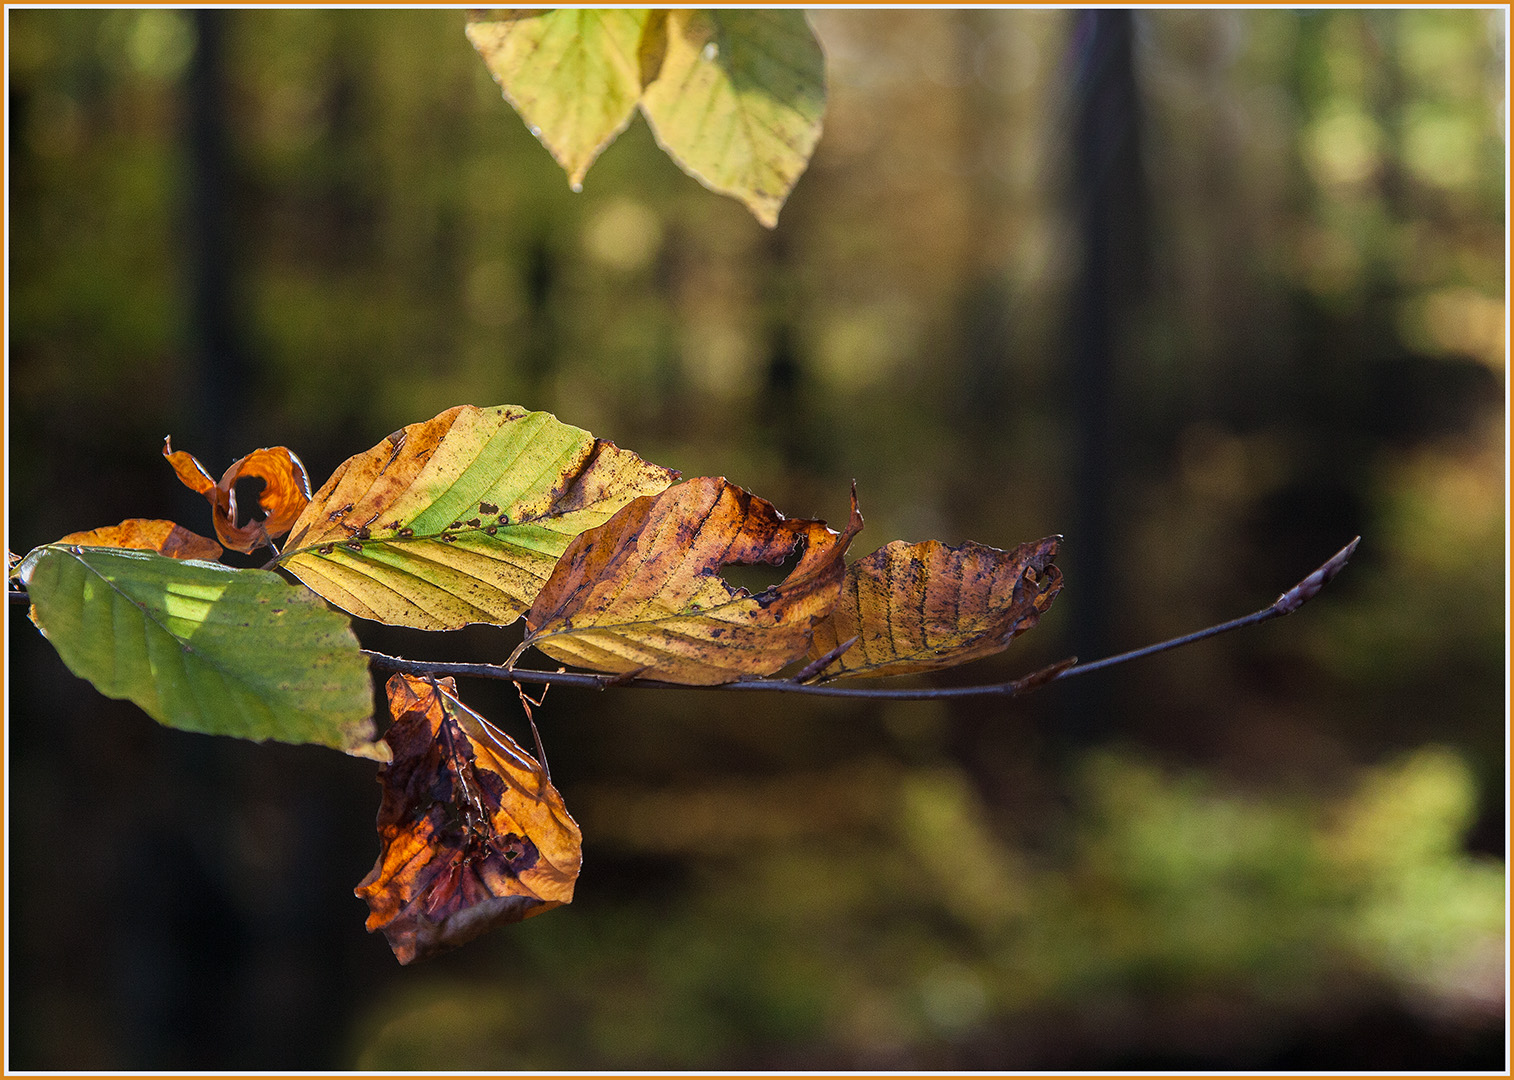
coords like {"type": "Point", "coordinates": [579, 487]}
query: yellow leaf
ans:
{"type": "Point", "coordinates": [920, 607]}
{"type": "Point", "coordinates": [642, 594]}
{"type": "Point", "coordinates": [738, 101]}
{"type": "Point", "coordinates": [460, 519]}
{"type": "Point", "coordinates": [573, 75]}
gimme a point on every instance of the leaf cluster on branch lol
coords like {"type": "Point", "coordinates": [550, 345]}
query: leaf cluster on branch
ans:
{"type": "Point", "coordinates": [488, 515]}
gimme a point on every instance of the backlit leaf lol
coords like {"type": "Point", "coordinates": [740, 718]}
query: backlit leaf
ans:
{"type": "Point", "coordinates": [285, 493]}
{"type": "Point", "coordinates": [573, 74]}
{"type": "Point", "coordinates": [164, 537]}
{"type": "Point", "coordinates": [738, 101]}
{"type": "Point", "coordinates": [204, 647]}
{"type": "Point", "coordinates": [642, 594]}
{"type": "Point", "coordinates": [920, 607]}
{"type": "Point", "coordinates": [460, 519]}
{"type": "Point", "coordinates": [473, 833]}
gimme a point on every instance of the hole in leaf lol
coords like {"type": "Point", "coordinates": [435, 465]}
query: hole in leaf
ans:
{"type": "Point", "coordinates": [248, 489]}
{"type": "Point", "coordinates": [755, 577]}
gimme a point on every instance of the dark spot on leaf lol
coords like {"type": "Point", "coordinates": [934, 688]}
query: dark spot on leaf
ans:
{"type": "Point", "coordinates": [474, 522]}
{"type": "Point", "coordinates": [487, 508]}
{"type": "Point", "coordinates": [353, 545]}
{"type": "Point", "coordinates": [362, 534]}
{"type": "Point", "coordinates": [327, 549]}
{"type": "Point", "coordinates": [406, 533]}
{"type": "Point", "coordinates": [504, 519]}
{"type": "Point", "coordinates": [449, 538]}
{"type": "Point", "coordinates": [492, 529]}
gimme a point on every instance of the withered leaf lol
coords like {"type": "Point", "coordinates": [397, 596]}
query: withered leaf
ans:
{"type": "Point", "coordinates": [285, 492]}
{"type": "Point", "coordinates": [459, 519]}
{"type": "Point", "coordinates": [149, 534]}
{"type": "Point", "coordinates": [642, 594]}
{"type": "Point", "coordinates": [920, 607]}
{"type": "Point", "coordinates": [473, 833]}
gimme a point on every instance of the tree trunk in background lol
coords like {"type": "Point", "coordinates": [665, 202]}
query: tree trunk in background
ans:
{"type": "Point", "coordinates": [220, 368]}
{"type": "Point", "coordinates": [1107, 192]}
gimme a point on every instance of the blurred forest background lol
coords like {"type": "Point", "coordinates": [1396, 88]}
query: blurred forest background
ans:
{"type": "Point", "coordinates": [1209, 292]}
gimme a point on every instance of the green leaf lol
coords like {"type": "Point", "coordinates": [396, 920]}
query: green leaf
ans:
{"type": "Point", "coordinates": [738, 102]}
{"type": "Point", "coordinates": [461, 518]}
{"type": "Point", "coordinates": [204, 647]}
{"type": "Point", "coordinates": [573, 74]}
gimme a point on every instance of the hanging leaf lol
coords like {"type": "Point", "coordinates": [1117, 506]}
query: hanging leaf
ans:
{"type": "Point", "coordinates": [203, 647]}
{"type": "Point", "coordinates": [573, 74]}
{"type": "Point", "coordinates": [285, 493]}
{"type": "Point", "coordinates": [642, 594]}
{"type": "Point", "coordinates": [473, 833]}
{"type": "Point", "coordinates": [738, 101]}
{"type": "Point", "coordinates": [164, 537]}
{"type": "Point", "coordinates": [920, 607]}
{"type": "Point", "coordinates": [460, 519]}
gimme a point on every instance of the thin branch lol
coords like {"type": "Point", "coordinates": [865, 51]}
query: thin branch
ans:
{"type": "Point", "coordinates": [1285, 604]}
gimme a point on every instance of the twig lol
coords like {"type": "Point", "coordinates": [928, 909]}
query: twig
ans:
{"type": "Point", "coordinates": [1285, 604]}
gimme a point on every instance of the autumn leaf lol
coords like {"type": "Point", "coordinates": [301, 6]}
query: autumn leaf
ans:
{"type": "Point", "coordinates": [738, 101]}
{"type": "Point", "coordinates": [473, 833]}
{"type": "Point", "coordinates": [573, 74]}
{"type": "Point", "coordinates": [285, 493]}
{"type": "Point", "coordinates": [460, 519]}
{"type": "Point", "coordinates": [163, 537]}
{"type": "Point", "coordinates": [920, 607]}
{"type": "Point", "coordinates": [642, 595]}
{"type": "Point", "coordinates": [204, 647]}
{"type": "Point", "coordinates": [734, 97]}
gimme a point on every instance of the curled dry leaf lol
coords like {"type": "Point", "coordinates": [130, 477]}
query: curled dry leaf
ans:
{"type": "Point", "coordinates": [920, 607]}
{"type": "Point", "coordinates": [148, 534]}
{"type": "Point", "coordinates": [460, 519]}
{"type": "Point", "coordinates": [474, 835]}
{"type": "Point", "coordinates": [642, 594]}
{"type": "Point", "coordinates": [285, 492]}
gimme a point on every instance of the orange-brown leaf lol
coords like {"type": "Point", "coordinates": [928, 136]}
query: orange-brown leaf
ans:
{"type": "Point", "coordinates": [286, 490]}
{"type": "Point", "coordinates": [147, 534]}
{"type": "Point", "coordinates": [920, 607]}
{"type": "Point", "coordinates": [641, 594]}
{"type": "Point", "coordinates": [473, 833]}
